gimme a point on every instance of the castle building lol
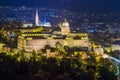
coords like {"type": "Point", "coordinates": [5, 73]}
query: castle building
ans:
{"type": "Point", "coordinates": [30, 40]}
{"type": "Point", "coordinates": [37, 41]}
{"type": "Point", "coordinates": [65, 28]}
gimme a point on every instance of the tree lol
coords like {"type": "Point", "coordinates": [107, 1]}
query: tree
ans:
{"type": "Point", "coordinates": [58, 45]}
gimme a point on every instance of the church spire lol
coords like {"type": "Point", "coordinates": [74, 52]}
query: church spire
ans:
{"type": "Point", "coordinates": [65, 20]}
{"type": "Point", "coordinates": [37, 18]}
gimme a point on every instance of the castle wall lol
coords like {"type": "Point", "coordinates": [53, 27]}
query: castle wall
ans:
{"type": "Point", "coordinates": [37, 44]}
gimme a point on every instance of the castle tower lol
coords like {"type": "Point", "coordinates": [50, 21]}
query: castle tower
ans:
{"type": "Point", "coordinates": [65, 28]}
{"type": "Point", "coordinates": [36, 18]}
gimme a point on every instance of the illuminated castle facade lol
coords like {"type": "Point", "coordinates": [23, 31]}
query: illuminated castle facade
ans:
{"type": "Point", "coordinates": [30, 42]}
{"type": "Point", "coordinates": [37, 38]}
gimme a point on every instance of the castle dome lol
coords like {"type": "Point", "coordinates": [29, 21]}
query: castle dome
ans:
{"type": "Point", "coordinates": [65, 23]}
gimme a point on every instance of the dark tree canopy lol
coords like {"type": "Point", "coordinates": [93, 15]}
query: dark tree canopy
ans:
{"type": "Point", "coordinates": [55, 69]}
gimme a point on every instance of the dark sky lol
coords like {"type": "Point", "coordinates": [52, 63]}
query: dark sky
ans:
{"type": "Point", "coordinates": [69, 4]}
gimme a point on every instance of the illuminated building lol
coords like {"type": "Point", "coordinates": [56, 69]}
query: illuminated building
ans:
{"type": "Point", "coordinates": [37, 38]}
{"type": "Point", "coordinates": [65, 28]}
{"type": "Point", "coordinates": [27, 24]}
{"type": "Point", "coordinates": [115, 47]}
{"type": "Point", "coordinates": [38, 22]}
{"type": "Point", "coordinates": [37, 41]}
{"type": "Point", "coordinates": [37, 18]}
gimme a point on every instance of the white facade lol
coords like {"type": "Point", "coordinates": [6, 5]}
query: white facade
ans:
{"type": "Point", "coordinates": [44, 24]}
{"type": "Point", "coordinates": [115, 47]}
{"type": "Point", "coordinates": [27, 25]}
{"type": "Point", "coordinates": [65, 28]}
{"type": "Point", "coordinates": [37, 44]}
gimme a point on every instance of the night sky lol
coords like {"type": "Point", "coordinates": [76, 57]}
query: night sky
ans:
{"type": "Point", "coordinates": [66, 4]}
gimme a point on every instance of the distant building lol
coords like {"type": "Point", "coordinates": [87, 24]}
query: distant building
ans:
{"type": "Point", "coordinates": [115, 47]}
{"type": "Point", "coordinates": [4, 47]}
{"type": "Point", "coordinates": [38, 22]}
{"type": "Point", "coordinates": [115, 44]}
{"type": "Point", "coordinates": [37, 38]}
{"type": "Point", "coordinates": [30, 41]}
{"type": "Point", "coordinates": [27, 24]}
{"type": "Point", "coordinates": [37, 18]}
{"type": "Point", "coordinates": [65, 27]}
{"type": "Point", "coordinates": [99, 51]}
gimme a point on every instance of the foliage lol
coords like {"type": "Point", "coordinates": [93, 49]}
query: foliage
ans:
{"type": "Point", "coordinates": [67, 68]}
